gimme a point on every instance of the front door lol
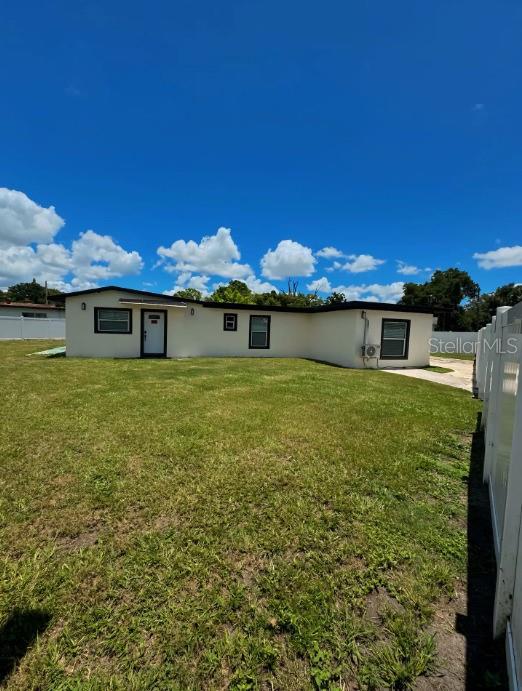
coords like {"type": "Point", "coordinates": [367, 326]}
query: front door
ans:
{"type": "Point", "coordinates": [153, 333]}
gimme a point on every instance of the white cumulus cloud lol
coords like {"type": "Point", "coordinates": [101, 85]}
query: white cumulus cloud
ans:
{"type": "Point", "coordinates": [334, 267]}
{"type": "Point", "coordinates": [256, 285]}
{"type": "Point", "coordinates": [23, 221]}
{"type": "Point", "coordinates": [373, 292]}
{"type": "Point", "coordinates": [288, 259]}
{"type": "Point", "coordinates": [186, 280]}
{"type": "Point", "coordinates": [329, 253]}
{"type": "Point", "coordinates": [362, 262]}
{"type": "Point", "coordinates": [321, 285]}
{"type": "Point", "coordinates": [96, 257]}
{"type": "Point", "coordinates": [27, 249]}
{"type": "Point", "coordinates": [501, 258]}
{"type": "Point", "coordinates": [216, 255]}
{"type": "Point", "coordinates": [407, 269]}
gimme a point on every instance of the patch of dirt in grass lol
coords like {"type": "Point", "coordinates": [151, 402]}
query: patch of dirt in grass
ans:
{"type": "Point", "coordinates": [451, 647]}
{"type": "Point", "coordinates": [83, 535]}
{"type": "Point", "coordinates": [81, 541]}
{"type": "Point", "coordinates": [378, 602]}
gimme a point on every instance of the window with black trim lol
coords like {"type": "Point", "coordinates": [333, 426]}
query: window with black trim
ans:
{"type": "Point", "coordinates": [229, 322]}
{"type": "Point", "coordinates": [34, 315]}
{"type": "Point", "coordinates": [259, 331]}
{"type": "Point", "coordinates": [112, 320]}
{"type": "Point", "coordinates": [395, 339]}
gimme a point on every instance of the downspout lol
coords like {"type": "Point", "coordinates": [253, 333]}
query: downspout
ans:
{"type": "Point", "coordinates": [365, 335]}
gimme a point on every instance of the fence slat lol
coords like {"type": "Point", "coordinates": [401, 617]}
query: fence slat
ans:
{"type": "Point", "coordinates": [512, 516]}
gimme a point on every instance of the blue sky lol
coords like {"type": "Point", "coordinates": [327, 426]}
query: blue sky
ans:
{"type": "Point", "coordinates": [387, 131]}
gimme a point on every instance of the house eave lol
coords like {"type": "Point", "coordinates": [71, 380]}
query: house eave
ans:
{"type": "Point", "coordinates": [165, 300]}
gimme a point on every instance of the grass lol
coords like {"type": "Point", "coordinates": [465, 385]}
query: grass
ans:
{"type": "Point", "coordinates": [455, 356]}
{"type": "Point", "coordinates": [225, 523]}
{"type": "Point", "coordinates": [436, 368]}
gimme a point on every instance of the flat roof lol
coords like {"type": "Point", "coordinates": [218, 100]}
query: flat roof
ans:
{"type": "Point", "coordinates": [171, 300]}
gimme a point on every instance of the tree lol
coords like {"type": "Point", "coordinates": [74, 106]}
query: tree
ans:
{"type": "Point", "coordinates": [235, 291]}
{"type": "Point", "coordinates": [445, 288]}
{"type": "Point", "coordinates": [335, 298]}
{"type": "Point", "coordinates": [32, 292]}
{"type": "Point", "coordinates": [479, 311]}
{"type": "Point", "coordinates": [238, 291]}
{"type": "Point", "coordinates": [189, 294]}
{"type": "Point", "coordinates": [445, 292]}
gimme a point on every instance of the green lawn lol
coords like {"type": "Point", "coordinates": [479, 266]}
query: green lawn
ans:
{"type": "Point", "coordinates": [225, 523]}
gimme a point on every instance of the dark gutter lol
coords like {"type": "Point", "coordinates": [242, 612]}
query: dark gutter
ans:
{"type": "Point", "coordinates": [131, 291]}
{"type": "Point", "coordinates": [340, 307]}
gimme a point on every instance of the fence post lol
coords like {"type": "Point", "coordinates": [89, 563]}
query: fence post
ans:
{"type": "Point", "coordinates": [479, 360]}
{"type": "Point", "coordinates": [507, 560]}
{"type": "Point", "coordinates": [490, 329]}
{"type": "Point", "coordinates": [494, 394]}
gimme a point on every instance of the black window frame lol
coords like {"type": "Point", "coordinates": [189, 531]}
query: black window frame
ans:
{"type": "Point", "coordinates": [256, 347]}
{"type": "Point", "coordinates": [406, 344]}
{"type": "Point", "coordinates": [229, 314]}
{"type": "Point", "coordinates": [113, 309]}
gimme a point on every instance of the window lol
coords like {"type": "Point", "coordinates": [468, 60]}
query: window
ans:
{"type": "Point", "coordinates": [114, 320]}
{"type": "Point", "coordinates": [34, 315]}
{"type": "Point", "coordinates": [259, 332]}
{"type": "Point", "coordinates": [229, 322]}
{"type": "Point", "coordinates": [395, 339]}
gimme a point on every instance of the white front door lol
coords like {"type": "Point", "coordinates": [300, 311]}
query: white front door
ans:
{"type": "Point", "coordinates": [154, 334]}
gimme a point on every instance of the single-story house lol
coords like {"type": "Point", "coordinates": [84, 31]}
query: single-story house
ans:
{"type": "Point", "coordinates": [124, 323]}
{"type": "Point", "coordinates": [31, 310]}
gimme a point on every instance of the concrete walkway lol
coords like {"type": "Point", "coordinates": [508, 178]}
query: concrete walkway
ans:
{"type": "Point", "coordinates": [461, 377]}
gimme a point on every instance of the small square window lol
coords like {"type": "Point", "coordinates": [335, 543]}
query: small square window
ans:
{"type": "Point", "coordinates": [229, 322]}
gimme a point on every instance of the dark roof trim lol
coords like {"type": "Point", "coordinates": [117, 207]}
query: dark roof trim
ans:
{"type": "Point", "coordinates": [352, 305]}
{"type": "Point", "coordinates": [131, 291]}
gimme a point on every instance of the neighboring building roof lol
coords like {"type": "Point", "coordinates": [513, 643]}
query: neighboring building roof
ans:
{"type": "Point", "coordinates": [30, 305]}
{"type": "Point", "coordinates": [166, 300]}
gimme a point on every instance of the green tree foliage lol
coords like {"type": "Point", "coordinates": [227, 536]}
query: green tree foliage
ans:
{"type": "Point", "coordinates": [189, 294]}
{"type": "Point", "coordinates": [445, 292]}
{"type": "Point", "coordinates": [235, 291]}
{"type": "Point", "coordinates": [445, 289]}
{"type": "Point", "coordinates": [239, 292]}
{"type": "Point", "coordinates": [32, 292]}
{"type": "Point", "coordinates": [335, 298]}
{"type": "Point", "coordinates": [479, 311]}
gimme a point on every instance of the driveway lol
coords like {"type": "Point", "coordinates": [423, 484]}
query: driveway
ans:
{"type": "Point", "coordinates": [461, 377]}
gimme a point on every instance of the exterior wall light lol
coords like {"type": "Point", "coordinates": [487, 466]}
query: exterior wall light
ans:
{"type": "Point", "coordinates": [84, 306]}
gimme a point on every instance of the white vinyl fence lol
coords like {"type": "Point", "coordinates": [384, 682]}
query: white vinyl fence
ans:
{"type": "Point", "coordinates": [28, 327]}
{"type": "Point", "coordinates": [454, 342]}
{"type": "Point", "coordinates": [499, 384]}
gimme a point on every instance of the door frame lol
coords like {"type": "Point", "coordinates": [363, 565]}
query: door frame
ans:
{"type": "Point", "coordinates": [142, 339]}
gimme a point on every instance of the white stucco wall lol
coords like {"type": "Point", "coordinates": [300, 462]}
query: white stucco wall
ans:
{"type": "Point", "coordinates": [81, 341]}
{"type": "Point", "coordinates": [420, 334]}
{"type": "Point", "coordinates": [202, 334]}
{"type": "Point", "coordinates": [334, 337]}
